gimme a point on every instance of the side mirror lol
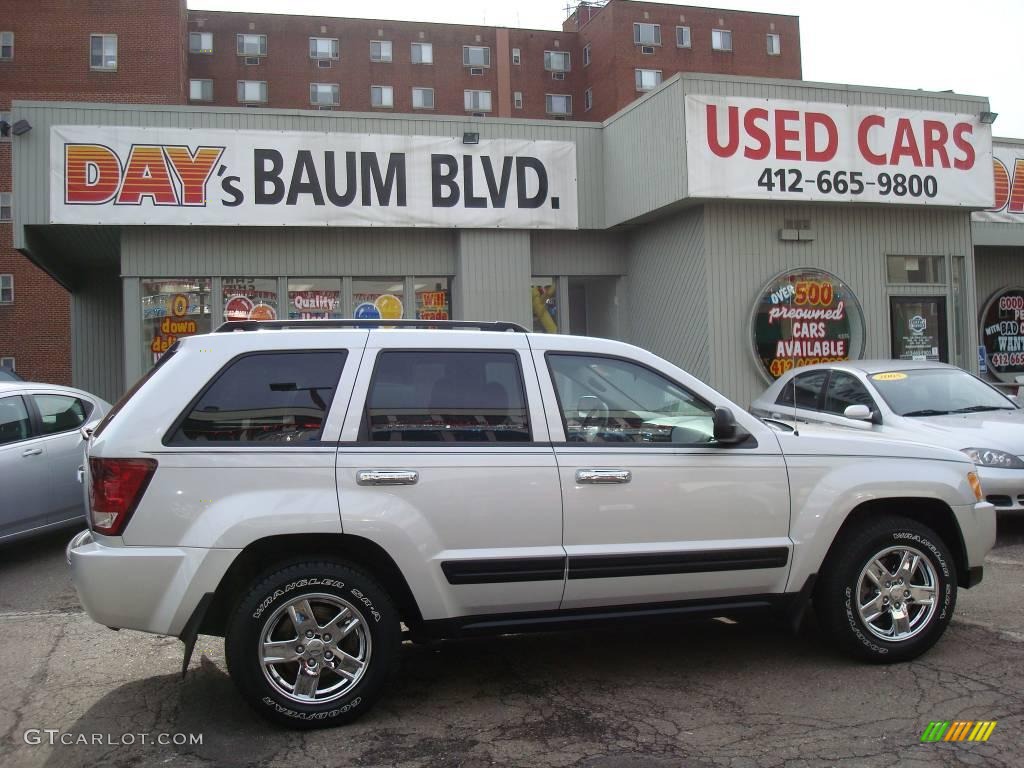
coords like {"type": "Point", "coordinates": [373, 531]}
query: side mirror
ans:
{"type": "Point", "coordinates": [726, 430]}
{"type": "Point", "coordinates": [857, 412]}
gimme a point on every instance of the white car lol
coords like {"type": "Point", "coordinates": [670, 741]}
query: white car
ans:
{"type": "Point", "coordinates": [41, 453]}
{"type": "Point", "coordinates": [307, 488]}
{"type": "Point", "coordinates": [927, 402]}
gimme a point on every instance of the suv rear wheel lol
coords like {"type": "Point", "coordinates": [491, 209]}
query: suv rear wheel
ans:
{"type": "Point", "coordinates": [888, 590]}
{"type": "Point", "coordinates": [313, 643]}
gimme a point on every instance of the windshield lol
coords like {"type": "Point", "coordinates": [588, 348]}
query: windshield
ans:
{"type": "Point", "coordinates": [936, 392]}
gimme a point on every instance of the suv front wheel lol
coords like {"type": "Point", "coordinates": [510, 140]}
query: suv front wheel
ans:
{"type": "Point", "coordinates": [888, 590]}
{"type": "Point", "coordinates": [313, 643]}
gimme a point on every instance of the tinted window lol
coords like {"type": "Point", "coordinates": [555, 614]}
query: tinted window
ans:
{"type": "Point", "coordinates": [61, 413]}
{"type": "Point", "coordinates": [605, 400]}
{"type": "Point", "coordinates": [266, 398]}
{"type": "Point", "coordinates": [845, 390]}
{"type": "Point", "coordinates": [14, 423]}
{"type": "Point", "coordinates": [447, 397]}
{"type": "Point", "coordinates": [807, 387]}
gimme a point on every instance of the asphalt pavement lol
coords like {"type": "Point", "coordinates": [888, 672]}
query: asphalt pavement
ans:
{"type": "Point", "coordinates": [701, 695]}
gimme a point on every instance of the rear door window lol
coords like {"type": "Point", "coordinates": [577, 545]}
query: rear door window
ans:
{"type": "Point", "coordinates": [61, 413]}
{"type": "Point", "coordinates": [265, 398]}
{"type": "Point", "coordinates": [14, 421]}
{"type": "Point", "coordinates": [806, 388]}
{"type": "Point", "coordinates": [447, 397]}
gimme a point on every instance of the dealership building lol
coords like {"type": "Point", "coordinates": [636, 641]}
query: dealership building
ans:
{"type": "Point", "coordinates": [736, 226]}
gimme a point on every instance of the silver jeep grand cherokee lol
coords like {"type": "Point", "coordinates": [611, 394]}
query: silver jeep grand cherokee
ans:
{"type": "Point", "coordinates": [307, 488]}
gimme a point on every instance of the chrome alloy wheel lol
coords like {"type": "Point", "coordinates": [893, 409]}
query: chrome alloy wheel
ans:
{"type": "Point", "coordinates": [315, 648]}
{"type": "Point", "coordinates": [896, 593]}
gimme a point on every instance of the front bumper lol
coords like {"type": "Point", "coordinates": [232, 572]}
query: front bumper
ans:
{"type": "Point", "coordinates": [152, 589]}
{"type": "Point", "coordinates": [1003, 488]}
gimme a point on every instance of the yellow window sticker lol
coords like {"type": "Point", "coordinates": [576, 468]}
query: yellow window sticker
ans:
{"type": "Point", "coordinates": [890, 376]}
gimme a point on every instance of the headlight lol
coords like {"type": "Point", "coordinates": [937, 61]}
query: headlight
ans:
{"type": "Point", "coordinates": [990, 457]}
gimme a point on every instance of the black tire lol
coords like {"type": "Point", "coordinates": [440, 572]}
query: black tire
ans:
{"type": "Point", "coordinates": [840, 591]}
{"type": "Point", "coordinates": [331, 586]}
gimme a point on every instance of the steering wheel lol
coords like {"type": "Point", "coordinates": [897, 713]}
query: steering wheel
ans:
{"type": "Point", "coordinates": [594, 415]}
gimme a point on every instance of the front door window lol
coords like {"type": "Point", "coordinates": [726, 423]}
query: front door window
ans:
{"type": "Point", "coordinates": [919, 329]}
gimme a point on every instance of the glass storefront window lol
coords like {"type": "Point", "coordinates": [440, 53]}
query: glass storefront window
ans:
{"type": "Point", "coordinates": [249, 298]}
{"type": "Point", "coordinates": [544, 304]}
{"type": "Point", "coordinates": [378, 298]}
{"type": "Point", "coordinates": [433, 298]}
{"type": "Point", "coordinates": [929, 270]}
{"type": "Point", "coordinates": [172, 307]}
{"type": "Point", "coordinates": [314, 298]}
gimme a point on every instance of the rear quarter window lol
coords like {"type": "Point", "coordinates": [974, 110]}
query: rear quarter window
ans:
{"type": "Point", "coordinates": [278, 398]}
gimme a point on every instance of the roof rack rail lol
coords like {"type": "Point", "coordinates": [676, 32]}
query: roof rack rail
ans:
{"type": "Point", "coordinates": [478, 325]}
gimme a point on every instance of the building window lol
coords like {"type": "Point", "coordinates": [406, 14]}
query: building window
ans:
{"type": "Point", "coordinates": [8, 363]}
{"type": "Point", "coordinates": [477, 101]}
{"type": "Point", "coordinates": [200, 90]}
{"type": "Point", "coordinates": [323, 48]}
{"type": "Point", "coordinates": [249, 298]}
{"type": "Point", "coordinates": [422, 98]}
{"type": "Point", "coordinates": [6, 46]}
{"type": "Point", "coordinates": [382, 96]}
{"type": "Point", "coordinates": [927, 270]}
{"type": "Point", "coordinates": [252, 91]}
{"type": "Point", "coordinates": [380, 50]}
{"type": "Point", "coordinates": [314, 298]}
{"type": "Point", "coordinates": [517, 99]}
{"type": "Point", "coordinates": [433, 298]}
{"type": "Point", "coordinates": [646, 34]}
{"type": "Point", "coordinates": [558, 104]}
{"type": "Point", "coordinates": [774, 44]}
{"type": "Point", "coordinates": [5, 206]}
{"type": "Point", "coordinates": [446, 397]}
{"type": "Point", "coordinates": [647, 79]}
{"type": "Point", "coordinates": [682, 37]}
{"type": "Point", "coordinates": [7, 290]}
{"type": "Point", "coordinates": [588, 99]}
{"type": "Point", "coordinates": [586, 55]}
{"type": "Point", "coordinates": [172, 308]}
{"type": "Point", "coordinates": [557, 61]}
{"type": "Point", "coordinates": [721, 39]}
{"type": "Point", "coordinates": [476, 56]}
{"type": "Point", "coordinates": [200, 42]}
{"type": "Point", "coordinates": [325, 94]}
{"type": "Point", "coordinates": [5, 117]}
{"type": "Point", "coordinates": [251, 45]}
{"type": "Point", "coordinates": [422, 53]}
{"type": "Point", "coordinates": [103, 52]}
{"type": "Point", "coordinates": [379, 298]}
{"type": "Point", "coordinates": [517, 56]}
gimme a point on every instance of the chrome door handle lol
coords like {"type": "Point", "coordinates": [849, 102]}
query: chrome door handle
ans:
{"type": "Point", "coordinates": [602, 476]}
{"type": "Point", "coordinates": [387, 477]}
{"type": "Point", "coordinates": [32, 452]}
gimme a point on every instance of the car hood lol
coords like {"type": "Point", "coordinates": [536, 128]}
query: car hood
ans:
{"type": "Point", "coordinates": [828, 440]}
{"type": "Point", "coordinates": [990, 429]}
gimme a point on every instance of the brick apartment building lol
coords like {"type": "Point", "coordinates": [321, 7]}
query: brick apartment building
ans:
{"type": "Point", "coordinates": [158, 52]}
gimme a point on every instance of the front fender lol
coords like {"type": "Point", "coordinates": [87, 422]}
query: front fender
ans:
{"type": "Point", "coordinates": [825, 492]}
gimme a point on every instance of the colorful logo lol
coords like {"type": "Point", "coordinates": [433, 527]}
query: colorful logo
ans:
{"type": "Point", "coordinates": [958, 730]}
{"type": "Point", "coordinates": [384, 307]}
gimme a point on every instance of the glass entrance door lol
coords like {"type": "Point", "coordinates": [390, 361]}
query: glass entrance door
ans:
{"type": "Point", "coordinates": [919, 330]}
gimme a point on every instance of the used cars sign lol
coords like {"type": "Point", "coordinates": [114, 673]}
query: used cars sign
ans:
{"type": "Point", "coordinates": [793, 150]}
{"type": "Point", "coordinates": [114, 175]}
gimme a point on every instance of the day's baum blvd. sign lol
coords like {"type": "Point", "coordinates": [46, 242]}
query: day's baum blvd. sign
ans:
{"type": "Point", "coordinates": [771, 149]}
{"type": "Point", "coordinates": [177, 176]}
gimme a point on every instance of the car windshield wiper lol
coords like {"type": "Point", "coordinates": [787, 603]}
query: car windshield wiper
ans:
{"type": "Point", "coordinates": [925, 412]}
{"type": "Point", "coordinates": [981, 408]}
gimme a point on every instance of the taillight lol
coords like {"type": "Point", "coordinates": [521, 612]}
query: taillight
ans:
{"type": "Point", "coordinates": [116, 489]}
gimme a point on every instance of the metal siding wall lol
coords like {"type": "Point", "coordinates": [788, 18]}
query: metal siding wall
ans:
{"type": "Point", "coordinates": [744, 251]}
{"type": "Point", "coordinates": [250, 252]}
{"type": "Point", "coordinates": [667, 290]}
{"type": "Point", "coordinates": [997, 268]}
{"type": "Point", "coordinates": [32, 155]}
{"type": "Point", "coordinates": [97, 344]}
{"type": "Point", "coordinates": [493, 276]}
{"type": "Point", "coordinates": [645, 156]}
{"type": "Point", "coordinates": [578, 253]}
